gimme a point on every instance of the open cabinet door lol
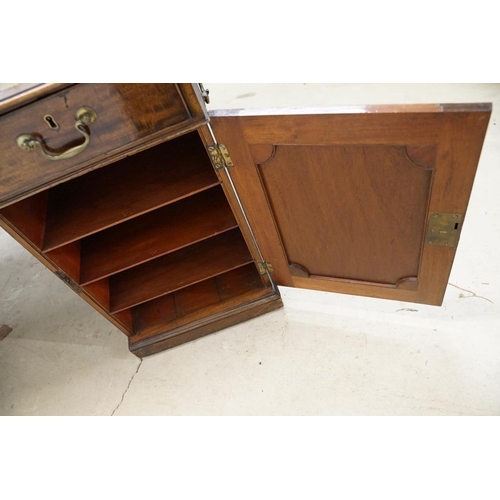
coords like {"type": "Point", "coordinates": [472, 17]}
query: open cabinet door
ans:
{"type": "Point", "coordinates": [360, 200]}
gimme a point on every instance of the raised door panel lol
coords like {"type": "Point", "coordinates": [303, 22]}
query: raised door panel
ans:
{"type": "Point", "coordinates": [341, 200]}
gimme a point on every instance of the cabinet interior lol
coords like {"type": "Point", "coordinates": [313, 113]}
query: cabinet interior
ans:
{"type": "Point", "coordinates": [151, 238]}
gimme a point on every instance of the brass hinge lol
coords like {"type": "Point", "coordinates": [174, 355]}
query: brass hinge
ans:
{"type": "Point", "coordinates": [264, 267]}
{"type": "Point", "coordinates": [219, 156]}
{"type": "Point", "coordinates": [444, 229]}
{"type": "Point", "coordinates": [204, 93]}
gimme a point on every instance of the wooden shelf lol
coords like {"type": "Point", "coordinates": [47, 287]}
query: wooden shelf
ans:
{"type": "Point", "coordinates": [178, 270]}
{"type": "Point", "coordinates": [205, 321]}
{"type": "Point", "coordinates": [201, 299]}
{"type": "Point", "coordinates": [155, 234]}
{"type": "Point", "coordinates": [126, 189]}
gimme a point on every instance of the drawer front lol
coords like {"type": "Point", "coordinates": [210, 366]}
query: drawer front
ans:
{"type": "Point", "coordinates": [128, 116]}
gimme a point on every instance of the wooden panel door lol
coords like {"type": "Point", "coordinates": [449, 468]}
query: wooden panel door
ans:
{"type": "Point", "coordinates": [341, 199]}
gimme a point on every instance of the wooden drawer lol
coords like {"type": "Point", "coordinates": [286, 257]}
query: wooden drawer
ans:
{"type": "Point", "coordinates": [129, 117]}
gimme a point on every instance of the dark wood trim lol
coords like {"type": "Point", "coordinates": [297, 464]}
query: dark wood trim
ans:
{"type": "Point", "coordinates": [25, 93]}
{"type": "Point", "coordinates": [200, 327]}
{"type": "Point", "coordinates": [355, 109]}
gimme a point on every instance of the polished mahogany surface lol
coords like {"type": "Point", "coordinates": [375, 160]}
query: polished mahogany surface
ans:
{"type": "Point", "coordinates": [340, 198]}
{"type": "Point", "coordinates": [128, 116]}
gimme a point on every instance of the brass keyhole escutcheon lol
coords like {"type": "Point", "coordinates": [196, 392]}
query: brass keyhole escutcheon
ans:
{"type": "Point", "coordinates": [444, 229]}
{"type": "Point", "coordinates": [49, 119]}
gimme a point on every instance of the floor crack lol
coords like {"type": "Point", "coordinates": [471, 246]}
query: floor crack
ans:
{"type": "Point", "coordinates": [128, 387]}
{"type": "Point", "coordinates": [5, 284]}
{"type": "Point", "coordinates": [462, 296]}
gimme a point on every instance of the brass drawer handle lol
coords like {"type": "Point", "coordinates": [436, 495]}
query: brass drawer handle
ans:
{"type": "Point", "coordinates": [84, 117]}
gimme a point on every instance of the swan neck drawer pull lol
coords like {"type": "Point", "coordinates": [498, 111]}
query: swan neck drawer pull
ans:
{"type": "Point", "coordinates": [84, 117]}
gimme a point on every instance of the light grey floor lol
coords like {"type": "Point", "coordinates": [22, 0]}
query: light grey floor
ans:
{"type": "Point", "coordinates": [322, 354]}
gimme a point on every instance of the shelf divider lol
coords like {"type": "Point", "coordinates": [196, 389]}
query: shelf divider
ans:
{"type": "Point", "coordinates": [204, 298]}
{"type": "Point", "coordinates": [178, 270]}
{"type": "Point", "coordinates": [128, 188]}
{"type": "Point", "coordinates": [155, 234]}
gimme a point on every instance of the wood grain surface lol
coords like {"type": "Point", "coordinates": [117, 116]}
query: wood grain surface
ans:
{"type": "Point", "coordinates": [126, 189]}
{"type": "Point", "coordinates": [179, 269]}
{"type": "Point", "coordinates": [128, 116]}
{"type": "Point", "coordinates": [340, 200]}
{"type": "Point", "coordinates": [157, 233]}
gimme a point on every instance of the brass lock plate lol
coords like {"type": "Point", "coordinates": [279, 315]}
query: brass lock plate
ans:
{"type": "Point", "coordinates": [444, 229]}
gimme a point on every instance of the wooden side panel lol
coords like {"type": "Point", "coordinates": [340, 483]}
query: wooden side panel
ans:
{"type": "Point", "coordinates": [51, 267]}
{"type": "Point", "coordinates": [29, 217]}
{"type": "Point", "coordinates": [341, 202]}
